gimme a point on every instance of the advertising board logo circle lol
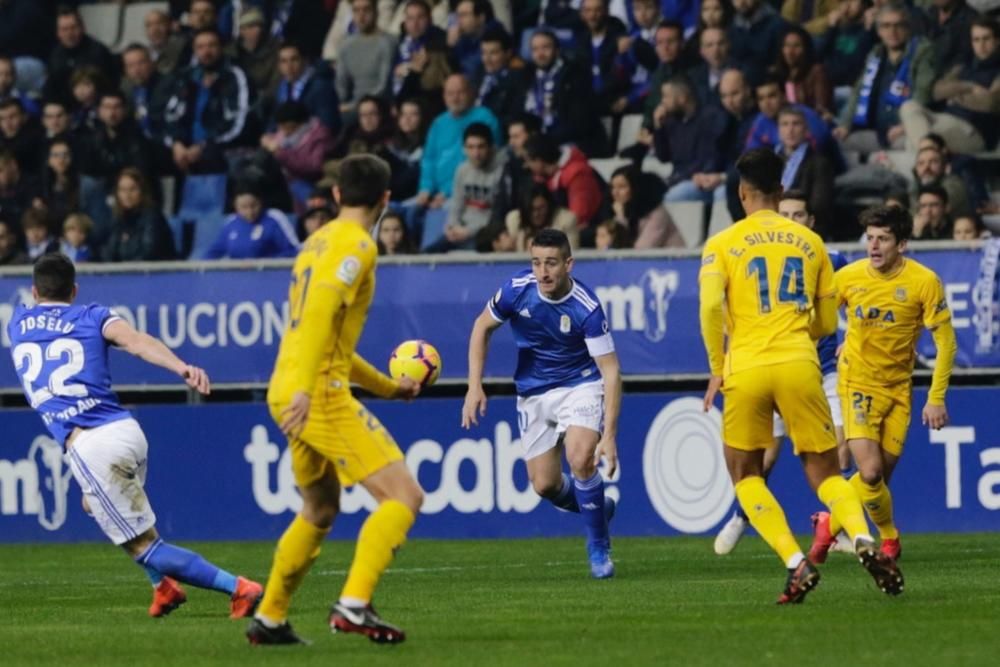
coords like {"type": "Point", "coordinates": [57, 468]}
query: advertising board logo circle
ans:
{"type": "Point", "coordinates": [683, 467]}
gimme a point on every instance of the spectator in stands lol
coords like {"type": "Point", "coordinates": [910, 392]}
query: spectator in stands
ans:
{"type": "Point", "coordinates": [146, 90]}
{"type": "Point", "coordinates": [668, 42]}
{"type": "Point", "coordinates": [313, 219]}
{"type": "Point", "coordinates": [25, 33]}
{"type": "Point", "coordinates": [87, 84]}
{"type": "Point", "coordinates": [74, 242]}
{"type": "Point", "coordinates": [21, 135]}
{"type": "Point", "coordinates": [537, 210]}
{"type": "Point", "coordinates": [178, 54]}
{"type": "Point", "coordinates": [756, 36]}
{"type": "Point", "coordinates": [931, 169]}
{"type": "Point", "coordinates": [60, 188]}
{"type": "Point", "coordinates": [310, 84]}
{"type": "Point", "coordinates": [75, 49]}
{"type": "Point", "coordinates": [899, 68]}
{"type": "Point", "coordinates": [715, 59]}
{"type": "Point", "coordinates": [115, 142]}
{"type": "Point", "coordinates": [406, 150]}
{"type": "Point", "coordinates": [56, 121]}
{"type": "Point", "coordinates": [368, 134]}
{"type": "Point", "coordinates": [690, 137]}
{"type": "Point", "coordinates": [443, 149]}
{"type": "Point", "coordinates": [495, 238]}
{"type": "Point", "coordinates": [813, 15]}
{"type": "Point", "coordinates": [637, 56]}
{"type": "Point", "coordinates": [37, 239]}
{"type": "Point", "coordinates": [474, 191]}
{"type": "Point", "coordinates": [8, 87]}
{"type": "Point", "coordinates": [301, 145]}
{"type": "Point", "coordinates": [139, 232]}
{"type": "Point", "coordinates": [364, 61]}
{"type": "Point", "coordinates": [898, 198]}
{"type": "Point", "coordinates": [516, 178]}
{"type": "Point", "coordinates": [948, 29]}
{"type": "Point", "coordinates": [596, 47]}
{"type": "Point", "coordinates": [17, 190]}
{"type": "Point", "coordinates": [472, 18]}
{"type": "Point", "coordinates": [737, 101]}
{"type": "Point", "coordinates": [637, 203]}
{"type": "Point", "coordinates": [804, 78]}
{"type": "Point", "coordinates": [844, 44]}
{"type": "Point", "coordinates": [10, 252]}
{"type": "Point", "coordinates": [303, 22]}
{"type": "Point", "coordinates": [969, 228]}
{"type": "Point", "coordinates": [393, 236]}
{"type": "Point", "coordinates": [500, 87]}
{"type": "Point", "coordinates": [253, 233]}
{"type": "Point", "coordinates": [157, 25]}
{"type": "Point", "coordinates": [568, 175]}
{"type": "Point", "coordinates": [970, 93]}
{"type": "Point", "coordinates": [806, 169]}
{"type": "Point", "coordinates": [420, 66]}
{"type": "Point", "coordinates": [560, 94]}
{"type": "Point", "coordinates": [255, 52]}
{"type": "Point", "coordinates": [764, 130]}
{"type": "Point", "coordinates": [612, 235]}
{"type": "Point", "coordinates": [711, 14]}
{"type": "Point", "coordinates": [932, 220]}
{"type": "Point", "coordinates": [208, 109]}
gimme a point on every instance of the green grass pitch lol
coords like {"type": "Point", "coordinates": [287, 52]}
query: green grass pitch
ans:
{"type": "Point", "coordinates": [523, 602]}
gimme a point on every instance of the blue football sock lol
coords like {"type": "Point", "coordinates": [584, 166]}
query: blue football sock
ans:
{"type": "Point", "coordinates": [590, 496]}
{"type": "Point", "coordinates": [155, 576]}
{"type": "Point", "coordinates": [566, 498]}
{"type": "Point", "coordinates": [187, 567]}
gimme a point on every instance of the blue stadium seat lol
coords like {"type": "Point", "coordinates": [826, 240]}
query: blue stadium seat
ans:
{"type": "Point", "coordinates": [201, 215]}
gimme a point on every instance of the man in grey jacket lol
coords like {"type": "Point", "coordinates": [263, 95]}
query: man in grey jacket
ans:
{"type": "Point", "coordinates": [364, 61]}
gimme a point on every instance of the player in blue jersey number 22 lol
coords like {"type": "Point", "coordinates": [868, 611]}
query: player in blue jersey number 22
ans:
{"type": "Point", "coordinates": [563, 343]}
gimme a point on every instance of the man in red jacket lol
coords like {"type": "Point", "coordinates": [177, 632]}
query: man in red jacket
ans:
{"type": "Point", "coordinates": [568, 175]}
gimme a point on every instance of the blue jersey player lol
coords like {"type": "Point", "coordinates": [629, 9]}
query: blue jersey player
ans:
{"type": "Point", "coordinates": [60, 352]}
{"type": "Point", "coordinates": [568, 386]}
{"type": "Point", "coordinates": [794, 205]}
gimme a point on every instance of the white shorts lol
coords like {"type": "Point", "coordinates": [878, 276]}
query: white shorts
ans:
{"type": "Point", "coordinates": [543, 418]}
{"type": "Point", "coordinates": [109, 463]}
{"type": "Point", "coordinates": [830, 389]}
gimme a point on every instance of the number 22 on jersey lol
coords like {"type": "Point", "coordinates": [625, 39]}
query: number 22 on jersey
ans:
{"type": "Point", "coordinates": [35, 356]}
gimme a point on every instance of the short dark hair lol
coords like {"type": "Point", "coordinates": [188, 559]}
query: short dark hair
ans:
{"type": "Point", "coordinates": [206, 31]}
{"type": "Point", "coordinates": [11, 102]}
{"type": "Point", "coordinates": [290, 45]}
{"type": "Point", "coordinates": [761, 169]}
{"type": "Point", "coordinates": [898, 221]}
{"type": "Point", "coordinates": [54, 276]}
{"type": "Point", "coordinates": [987, 22]}
{"type": "Point", "coordinates": [769, 80]}
{"type": "Point", "coordinates": [136, 46]}
{"type": "Point", "coordinates": [681, 82]}
{"type": "Point", "coordinates": [480, 130]}
{"type": "Point", "coordinates": [545, 32]}
{"type": "Point", "coordinates": [937, 140]}
{"type": "Point", "coordinates": [34, 218]}
{"type": "Point", "coordinates": [532, 123]}
{"type": "Point", "coordinates": [68, 10]}
{"type": "Point", "coordinates": [552, 238]}
{"type": "Point", "coordinates": [790, 110]}
{"type": "Point", "coordinates": [671, 24]}
{"type": "Point", "coordinates": [499, 35]}
{"type": "Point", "coordinates": [364, 178]}
{"type": "Point", "coordinates": [796, 195]}
{"type": "Point", "coordinates": [933, 189]}
{"type": "Point", "coordinates": [487, 235]}
{"type": "Point", "coordinates": [542, 147]}
{"type": "Point", "coordinates": [115, 93]}
{"type": "Point", "coordinates": [292, 111]}
{"type": "Point", "coordinates": [423, 4]}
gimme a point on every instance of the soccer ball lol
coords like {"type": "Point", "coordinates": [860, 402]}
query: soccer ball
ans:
{"type": "Point", "coordinates": [417, 360]}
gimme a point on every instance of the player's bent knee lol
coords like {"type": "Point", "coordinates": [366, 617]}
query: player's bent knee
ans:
{"type": "Point", "coordinates": [137, 545]}
{"type": "Point", "coordinates": [871, 475]}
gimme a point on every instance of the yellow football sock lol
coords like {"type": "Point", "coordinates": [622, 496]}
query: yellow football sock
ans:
{"type": "Point", "coordinates": [296, 551]}
{"type": "Point", "coordinates": [845, 507]}
{"type": "Point", "coordinates": [382, 533]}
{"type": "Point", "coordinates": [767, 517]}
{"type": "Point", "coordinates": [878, 503]}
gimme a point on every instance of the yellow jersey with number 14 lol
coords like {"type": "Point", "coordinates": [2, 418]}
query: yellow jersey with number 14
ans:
{"type": "Point", "coordinates": [885, 315]}
{"type": "Point", "coordinates": [332, 285]}
{"type": "Point", "coordinates": [774, 269]}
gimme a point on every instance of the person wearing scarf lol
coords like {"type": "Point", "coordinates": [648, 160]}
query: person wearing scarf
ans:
{"type": "Point", "coordinates": [899, 68]}
{"type": "Point", "coordinates": [501, 85]}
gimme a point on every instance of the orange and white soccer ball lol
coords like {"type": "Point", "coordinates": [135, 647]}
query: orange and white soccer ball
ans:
{"type": "Point", "coordinates": [417, 360]}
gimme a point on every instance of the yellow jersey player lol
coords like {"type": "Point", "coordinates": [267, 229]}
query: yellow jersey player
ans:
{"type": "Point", "coordinates": [888, 299]}
{"type": "Point", "coordinates": [768, 281]}
{"type": "Point", "coordinates": [334, 440]}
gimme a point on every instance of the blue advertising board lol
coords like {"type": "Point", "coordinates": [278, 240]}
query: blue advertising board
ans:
{"type": "Point", "coordinates": [223, 472]}
{"type": "Point", "coordinates": [230, 320]}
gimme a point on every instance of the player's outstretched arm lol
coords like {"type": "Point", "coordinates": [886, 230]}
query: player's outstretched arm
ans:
{"type": "Point", "coordinates": [369, 378]}
{"type": "Point", "coordinates": [479, 340]}
{"type": "Point", "coordinates": [154, 351]}
{"type": "Point", "coordinates": [935, 413]}
{"type": "Point", "coordinates": [611, 374]}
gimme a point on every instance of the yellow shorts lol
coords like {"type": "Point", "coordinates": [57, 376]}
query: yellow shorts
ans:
{"type": "Point", "coordinates": [879, 414]}
{"type": "Point", "coordinates": [795, 389]}
{"type": "Point", "coordinates": [344, 435]}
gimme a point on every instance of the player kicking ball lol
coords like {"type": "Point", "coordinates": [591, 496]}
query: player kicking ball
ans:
{"type": "Point", "coordinates": [60, 352]}
{"type": "Point", "coordinates": [563, 343]}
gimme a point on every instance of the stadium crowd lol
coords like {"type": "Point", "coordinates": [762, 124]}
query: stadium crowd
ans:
{"type": "Point", "coordinates": [216, 130]}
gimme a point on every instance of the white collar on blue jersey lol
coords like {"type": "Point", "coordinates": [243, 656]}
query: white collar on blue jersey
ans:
{"type": "Point", "coordinates": [572, 286]}
{"type": "Point", "coordinates": [52, 303]}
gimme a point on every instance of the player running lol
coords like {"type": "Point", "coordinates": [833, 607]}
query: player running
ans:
{"type": "Point", "coordinates": [563, 343]}
{"type": "Point", "coordinates": [334, 440]}
{"type": "Point", "coordinates": [60, 352]}
{"type": "Point", "coordinates": [889, 299]}
{"type": "Point", "coordinates": [794, 205]}
{"type": "Point", "coordinates": [768, 281]}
